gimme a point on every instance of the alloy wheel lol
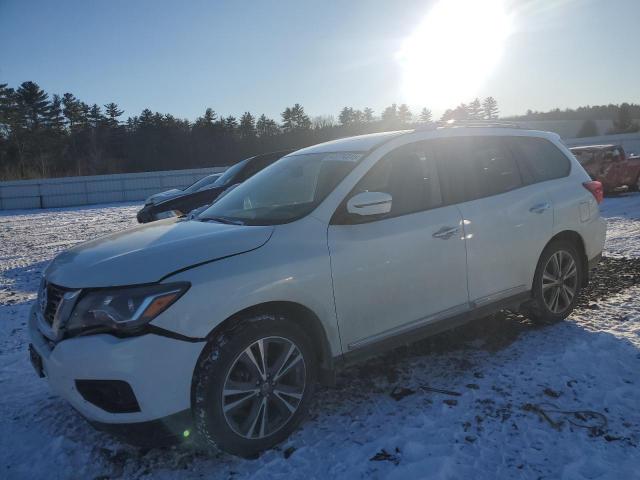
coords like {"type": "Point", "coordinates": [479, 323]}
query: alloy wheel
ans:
{"type": "Point", "coordinates": [264, 387]}
{"type": "Point", "coordinates": [559, 281]}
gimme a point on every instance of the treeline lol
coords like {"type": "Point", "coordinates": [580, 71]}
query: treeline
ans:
{"type": "Point", "coordinates": [50, 136]}
{"type": "Point", "coordinates": [622, 116]}
{"type": "Point", "coordinates": [594, 112]}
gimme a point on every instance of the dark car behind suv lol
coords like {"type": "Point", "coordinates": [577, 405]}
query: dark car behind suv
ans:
{"type": "Point", "coordinates": [183, 204]}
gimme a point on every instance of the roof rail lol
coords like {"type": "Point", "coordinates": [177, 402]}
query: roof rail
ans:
{"type": "Point", "coordinates": [468, 123]}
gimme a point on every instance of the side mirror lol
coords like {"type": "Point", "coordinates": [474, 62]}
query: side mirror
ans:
{"type": "Point", "coordinates": [369, 203]}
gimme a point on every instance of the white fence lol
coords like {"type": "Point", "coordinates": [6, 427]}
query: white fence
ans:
{"type": "Point", "coordinates": [72, 191]}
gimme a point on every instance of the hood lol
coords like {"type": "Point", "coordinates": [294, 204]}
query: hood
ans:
{"type": "Point", "coordinates": [159, 197]}
{"type": "Point", "coordinates": [147, 253]}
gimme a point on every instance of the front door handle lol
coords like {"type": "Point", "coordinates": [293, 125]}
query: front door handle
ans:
{"type": "Point", "coordinates": [540, 208]}
{"type": "Point", "coordinates": [445, 233]}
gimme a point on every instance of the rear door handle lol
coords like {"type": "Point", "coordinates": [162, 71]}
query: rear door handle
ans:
{"type": "Point", "coordinates": [540, 208]}
{"type": "Point", "coordinates": [445, 233]}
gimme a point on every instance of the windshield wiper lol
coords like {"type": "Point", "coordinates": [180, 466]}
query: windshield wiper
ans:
{"type": "Point", "coordinates": [226, 220]}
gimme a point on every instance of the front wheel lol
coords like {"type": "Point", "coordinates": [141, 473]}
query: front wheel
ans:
{"type": "Point", "coordinates": [253, 385]}
{"type": "Point", "coordinates": [556, 283]}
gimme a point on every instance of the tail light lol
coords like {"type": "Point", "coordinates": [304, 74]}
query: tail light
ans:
{"type": "Point", "coordinates": [596, 190]}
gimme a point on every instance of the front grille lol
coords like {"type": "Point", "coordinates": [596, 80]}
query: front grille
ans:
{"type": "Point", "coordinates": [54, 297]}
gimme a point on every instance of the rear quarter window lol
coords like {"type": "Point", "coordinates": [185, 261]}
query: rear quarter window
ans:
{"type": "Point", "coordinates": [539, 159]}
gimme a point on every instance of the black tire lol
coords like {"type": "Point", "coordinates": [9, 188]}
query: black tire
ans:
{"type": "Point", "coordinates": [224, 357]}
{"type": "Point", "coordinates": [538, 309]}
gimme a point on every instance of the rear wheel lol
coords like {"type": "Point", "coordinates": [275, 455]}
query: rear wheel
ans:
{"type": "Point", "coordinates": [253, 385]}
{"type": "Point", "coordinates": [556, 284]}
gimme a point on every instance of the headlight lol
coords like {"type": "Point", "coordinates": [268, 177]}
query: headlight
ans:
{"type": "Point", "coordinates": [122, 309]}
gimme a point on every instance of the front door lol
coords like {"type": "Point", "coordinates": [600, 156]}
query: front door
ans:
{"type": "Point", "coordinates": [397, 272]}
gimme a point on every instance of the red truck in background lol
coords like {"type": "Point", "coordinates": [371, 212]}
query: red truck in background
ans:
{"type": "Point", "coordinates": [610, 165]}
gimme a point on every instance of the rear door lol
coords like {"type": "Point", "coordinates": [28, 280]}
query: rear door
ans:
{"type": "Point", "coordinates": [507, 219]}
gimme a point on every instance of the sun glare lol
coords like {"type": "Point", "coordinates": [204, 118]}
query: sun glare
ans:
{"type": "Point", "coordinates": [453, 50]}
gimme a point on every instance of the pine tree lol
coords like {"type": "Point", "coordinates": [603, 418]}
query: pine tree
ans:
{"type": "Point", "coordinates": [247, 127]}
{"type": "Point", "coordinates": [490, 107]}
{"type": "Point", "coordinates": [266, 127]}
{"type": "Point", "coordinates": [7, 109]}
{"type": "Point", "coordinates": [33, 104]}
{"type": "Point", "coordinates": [404, 114]}
{"type": "Point", "coordinates": [95, 116]}
{"type": "Point", "coordinates": [55, 118]}
{"type": "Point", "coordinates": [113, 112]}
{"type": "Point", "coordinates": [71, 110]}
{"type": "Point", "coordinates": [390, 114]}
{"type": "Point", "coordinates": [367, 115]}
{"type": "Point", "coordinates": [146, 118]}
{"type": "Point", "coordinates": [231, 124]}
{"type": "Point", "coordinates": [476, 112]}
{"type": "Point", "coordinates": [301, 120]}
{"type": "Point", "coordinates": [447, 115]}
{"type": "Point", "coordinates": [207, 120]}
{"type": "Point", "coordinates": [294, 118]}
{"type": "Point", "coordinates": [461, 112]}
{"type": "Point", "coordinates": [425, 116]}
{"type": "Point", "coordinates": [287, 120]}
{"type": "Point", "coordinates": [85, 110]}
{"type": "Point", "coordinates": [346, 116]}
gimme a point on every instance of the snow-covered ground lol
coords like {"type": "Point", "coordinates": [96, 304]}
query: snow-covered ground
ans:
{"type": "Point", "coordinates": [501, 369]}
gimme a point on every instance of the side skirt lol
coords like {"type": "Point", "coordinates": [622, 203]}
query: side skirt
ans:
{"type": "Point", "coordinates": [438, 326]}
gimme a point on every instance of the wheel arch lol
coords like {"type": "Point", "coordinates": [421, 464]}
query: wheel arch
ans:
{"type": "Point", "coordinates": [303, 316]}
{"type": "Point", "coordinates": [575, 239]}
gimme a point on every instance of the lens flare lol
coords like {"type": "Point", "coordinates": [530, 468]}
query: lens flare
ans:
{"type": "Point", "coordinates": [453, 51]}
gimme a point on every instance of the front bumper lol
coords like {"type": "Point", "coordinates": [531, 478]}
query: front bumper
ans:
{"type": "Point", "coordinates": [151, 213]}
{"type": "Point", "coordinates": [158, 369]}
{"type": "Point", "coordinates": [163, 432]}
{"type": "Point", "coordinates": [145, 214]}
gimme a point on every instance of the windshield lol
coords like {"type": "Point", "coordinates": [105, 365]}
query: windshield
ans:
{"type": "Point", "coordinates": [203, 182]}
{"type": "Point", "coordinates": [289, 189]}
{"type": "Point", "coordinates": [230, 173]}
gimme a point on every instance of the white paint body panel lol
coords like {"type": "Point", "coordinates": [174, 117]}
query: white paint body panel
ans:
{"type": "Point", "coordinates": [393, 272]}
{"type": "Point", "coordinates": [292, 266]}
{"type": "Point", "coordinates": [504, 240]}
{"type": "Point", "coordinates": [158, 369]}
{"type": "Point", "coordinates": [379, 277]}
{"type": "Point", "coordinates": [147, 253]}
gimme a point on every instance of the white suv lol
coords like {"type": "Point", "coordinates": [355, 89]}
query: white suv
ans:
{"type": "Point", "coordinates": [224, 321]}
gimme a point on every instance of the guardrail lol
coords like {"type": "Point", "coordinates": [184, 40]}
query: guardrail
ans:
{"type": "Point", "coordinates": [74, 191]}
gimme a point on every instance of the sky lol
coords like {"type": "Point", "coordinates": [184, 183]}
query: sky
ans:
{"type": "Point", "coordinates": [180, 57]}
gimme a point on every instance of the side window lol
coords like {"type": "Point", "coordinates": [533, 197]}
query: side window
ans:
{"type": "Point", "coordinates": [408, 174]}
{"type": "Point", "coordinates": [475, 167]}
{"type": "Point", "coordinates": [495, 169]}
{"type": "Point", "coordinates": [253, 167]}
{"type": "Point", "coordinates": [540, 158]}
